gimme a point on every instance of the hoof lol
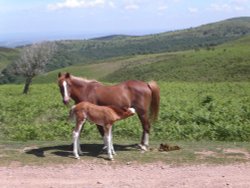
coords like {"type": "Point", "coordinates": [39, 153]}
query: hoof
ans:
{"type": "Point", "coordinates": [143, 147]}
{"type": "Point", "coordinates": [77, 157]}
{"type": "Point", "coordinates": [111, 159]}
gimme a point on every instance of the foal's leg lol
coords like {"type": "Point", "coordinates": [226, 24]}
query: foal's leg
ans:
{"type": "Point", "coordinates": [76, 134]}
{"type": "Point", "coordinates": [107, 136]}
{"type": "Point", "coordinates": [112, 145]}
{"type": "Point", "coordinates": [78, 142]}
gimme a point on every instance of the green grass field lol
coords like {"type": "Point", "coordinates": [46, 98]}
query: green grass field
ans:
{"type": "Point", "coordinates": [188, 111]}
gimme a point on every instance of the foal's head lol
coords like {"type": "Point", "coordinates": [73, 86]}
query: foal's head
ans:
{"type": "Point", "coordinates": [65, 86]}
{"type": "Point", "coordinates": [123, 112]}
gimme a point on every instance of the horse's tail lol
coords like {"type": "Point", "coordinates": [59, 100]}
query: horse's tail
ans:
{"type": "Point", "coordinates": [72, 113]}
{"type": "Point", "coordinates": [155, 101]}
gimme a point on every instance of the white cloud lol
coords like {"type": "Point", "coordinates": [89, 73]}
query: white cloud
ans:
{"type": "Point", "coordinates": [111, 4]}
{"type": "Point", "coordinates": [192, 10]}
{"type": "Point", "coordinates": [76, 4]}
{"type": "Point", "coordinates": [131, 6]}
{"type": "Point", "coordinates": [162, 8]}
{"type": "Point", "coordinates": [233, 5]}
{"type": "Point", "coordinates": [240, 5]}
{"type": "Point", "coordinates": [240, 1]}
{"type": "Point", "coordinates": [220, 7]}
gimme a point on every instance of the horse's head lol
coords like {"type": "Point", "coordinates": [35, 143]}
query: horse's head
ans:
{"type": "Point", "coordinates": [65, 86]}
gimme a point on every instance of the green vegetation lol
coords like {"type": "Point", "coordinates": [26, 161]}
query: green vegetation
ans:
{"type": "Point", "coordinates": [216, 111]}
{"type": "Point", "coordinates": [189, 111]}
{"type": "Point", "coordinates": [7, 55]}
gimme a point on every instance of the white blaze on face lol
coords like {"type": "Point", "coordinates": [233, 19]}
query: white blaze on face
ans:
{"type": "Point", "coordinates": [66, 94]}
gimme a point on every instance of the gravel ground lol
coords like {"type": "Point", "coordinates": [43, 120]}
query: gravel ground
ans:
{"type": "Point", "coordinates": [89, 174]}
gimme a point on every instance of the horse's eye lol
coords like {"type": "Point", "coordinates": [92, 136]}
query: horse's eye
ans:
{"type": "Point", "coordinates": [61, 89]}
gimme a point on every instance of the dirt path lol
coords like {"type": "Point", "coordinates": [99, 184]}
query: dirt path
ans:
{"type": "Point", "coordinates": [85, 174]}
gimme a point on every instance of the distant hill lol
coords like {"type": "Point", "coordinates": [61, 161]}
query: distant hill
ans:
{"type": "Point", "coordinates": [111, 37]}
{"type": "Point", "coordinates": [79, 52]}
{"type": "Point", "coordinates": [7, 55]}
{"type": "Point", "coordinates": [227, 62]}
{"type": "Point", "coordinates": [86, 51]}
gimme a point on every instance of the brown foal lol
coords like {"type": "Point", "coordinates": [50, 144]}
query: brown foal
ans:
{"type": "Point", "coordinates": [104, 116]}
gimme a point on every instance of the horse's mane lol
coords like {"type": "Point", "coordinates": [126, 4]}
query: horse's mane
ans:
{"type": "Point", "coordinates": [85, 80]}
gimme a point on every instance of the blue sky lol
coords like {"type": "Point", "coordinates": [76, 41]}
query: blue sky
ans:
{"type": "Point", "coordinates": [61, 19]}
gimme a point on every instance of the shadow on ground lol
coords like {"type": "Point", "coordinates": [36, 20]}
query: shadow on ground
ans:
{"type": "Point", "coordinates": [93, 150]}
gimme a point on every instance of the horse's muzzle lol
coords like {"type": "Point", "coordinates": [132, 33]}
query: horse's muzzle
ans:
{"type": "Point", "coordinates": [66, 101]}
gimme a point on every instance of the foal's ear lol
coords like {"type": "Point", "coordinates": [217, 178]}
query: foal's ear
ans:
{"type": "Point", "coordinates": [67, 75]}
{"type": "Point", "coordinates": [59, 74]}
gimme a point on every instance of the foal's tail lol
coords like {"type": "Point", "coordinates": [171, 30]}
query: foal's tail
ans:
{"type": "Point", "coordinates": [155, 101]}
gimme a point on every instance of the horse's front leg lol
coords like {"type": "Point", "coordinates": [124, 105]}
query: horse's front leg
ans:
{"type": "Point", "coordinates": [101, 131]}
{"type": "Point", "coordinates": [76, 135]}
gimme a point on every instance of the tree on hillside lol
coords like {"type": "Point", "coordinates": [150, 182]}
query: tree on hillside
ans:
{"type": "Point", "coordinates": [32, 61]}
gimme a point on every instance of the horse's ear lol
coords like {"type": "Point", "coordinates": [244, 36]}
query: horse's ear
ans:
{"type": "Point", "coordinates": [59, 74]}
{"type": "Point", "coordinates": [67, 75]}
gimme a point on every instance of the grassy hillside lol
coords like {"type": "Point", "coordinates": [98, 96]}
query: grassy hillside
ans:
{"type": "Point", "coordinates": [227, 62]}
{"type": "Point", "coordinates": [7, 55]}
{"type": "Point", "coordinates": [100, 70]}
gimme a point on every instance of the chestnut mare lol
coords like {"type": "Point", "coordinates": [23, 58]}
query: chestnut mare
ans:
{"type": "Point", "coordinates": [104, 116]}
{"type": "Point", "coordinates": [143, 97]}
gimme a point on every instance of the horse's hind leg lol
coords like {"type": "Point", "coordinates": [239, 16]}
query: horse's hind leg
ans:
{"type": "Point", "coordinates": [146, 129]}
{"type": "Point", "coordinates": [101, 131]}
